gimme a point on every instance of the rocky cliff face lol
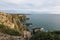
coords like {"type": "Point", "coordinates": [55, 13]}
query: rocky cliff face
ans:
{"type": "Point", "coordinates": [10, 20]}
{"type": "Point", "coordinates": [6, 19]}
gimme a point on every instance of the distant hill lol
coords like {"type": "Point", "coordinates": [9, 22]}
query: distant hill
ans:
{"type": "Point", "coordinates": [24, 12]}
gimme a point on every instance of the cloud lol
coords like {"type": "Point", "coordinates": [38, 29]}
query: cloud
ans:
{"type": "Point", "coordinates": [12, 1]}
{"type": "Point", "coordinates": [55, 10]}
{"type": "Point", "coordinates": [51, 6]}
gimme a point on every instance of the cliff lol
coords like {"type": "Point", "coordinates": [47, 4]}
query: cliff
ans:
{"type": "Point", "coordinates": [12, 21]}
{"type": "Point", "coordinates": [5, 19]}
{"type": "Point", "coordinates": [11, 27]}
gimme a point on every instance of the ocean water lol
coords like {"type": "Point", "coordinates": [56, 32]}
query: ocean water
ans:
{"type": "Point", "coordinates": [50, 22]}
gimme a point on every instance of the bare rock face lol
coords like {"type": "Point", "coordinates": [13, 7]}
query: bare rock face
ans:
{"type": "Point", "coordinates": [6, 19]}
{"type": "Point", "coordinates": [12, 21]}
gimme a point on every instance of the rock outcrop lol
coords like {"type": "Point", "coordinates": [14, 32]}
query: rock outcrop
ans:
{"type": "Point", "coordinates": [6, 19]}
{"type": "Point", "coordinates": [11, 20]}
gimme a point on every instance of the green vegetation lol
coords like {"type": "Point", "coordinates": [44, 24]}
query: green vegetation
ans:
{"type": "Point", "coordinates": [55, 35]}
{"type": "Point", "coordinates": [6, 30]}
{"type": "Point", "coordinates": [46, 36]}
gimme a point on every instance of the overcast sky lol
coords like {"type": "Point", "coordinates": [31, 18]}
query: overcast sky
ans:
{"type": "Point", "coordinates": [50, 6]}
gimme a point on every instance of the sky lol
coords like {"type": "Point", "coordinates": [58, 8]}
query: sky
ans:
{"type": "Point", "coordinates": [28, 6]}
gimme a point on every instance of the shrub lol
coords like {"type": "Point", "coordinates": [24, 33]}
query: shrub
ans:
{"type": "Point", "coordinates": [45, 36]}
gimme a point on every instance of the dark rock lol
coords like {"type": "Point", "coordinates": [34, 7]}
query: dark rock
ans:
{"type": "Point", "coordinates": [28, 24]}
{"type": "Point", "coordinates": [27, 18]}
{"type": "Point", "coordinates": [36, 30]}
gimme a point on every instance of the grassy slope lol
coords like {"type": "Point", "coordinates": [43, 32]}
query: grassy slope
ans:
{"type": "Point", "coordinates": [6, 30]}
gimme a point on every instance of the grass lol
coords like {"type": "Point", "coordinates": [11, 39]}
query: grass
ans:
{"type": "Point", "coordinates": [6, 30]}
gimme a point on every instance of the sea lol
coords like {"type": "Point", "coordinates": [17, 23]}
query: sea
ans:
{"type": "Point", "coordinates": [48, 22]}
